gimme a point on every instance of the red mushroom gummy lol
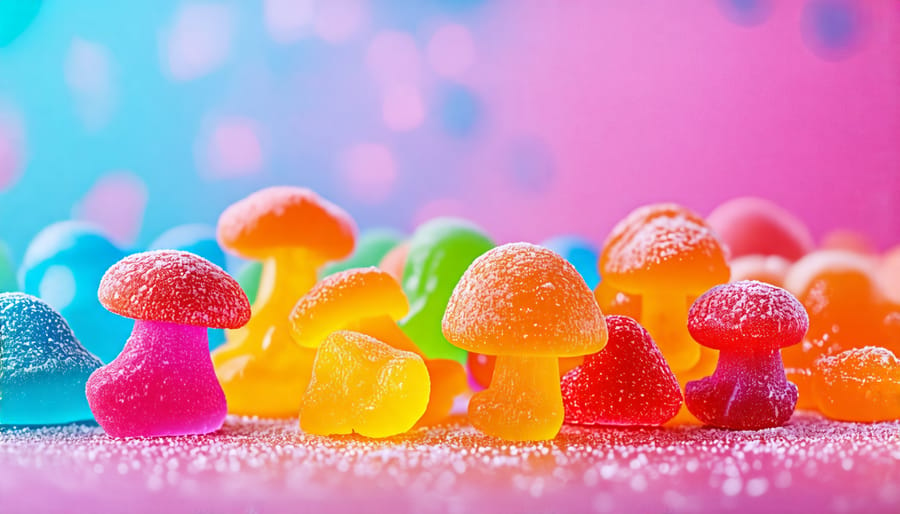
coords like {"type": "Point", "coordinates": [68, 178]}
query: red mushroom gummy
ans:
{"type": "Point", "coordinates": [163, 382]}
{"type": "Point", "coordinates": [748, 322]}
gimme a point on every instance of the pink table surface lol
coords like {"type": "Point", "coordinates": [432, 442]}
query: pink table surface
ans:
{"type": "Point", "coordinates": [259, 466]}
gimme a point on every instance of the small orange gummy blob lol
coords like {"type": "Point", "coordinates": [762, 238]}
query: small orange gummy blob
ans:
{"type": "Point", "coordinates": [862, 384]}
{"type": "Point", "coordinates": [360, 384]}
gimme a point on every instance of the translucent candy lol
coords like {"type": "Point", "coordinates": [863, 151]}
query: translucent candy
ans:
{"type": "Point", "coordinates": [581, 253]}
{"type": "Point", "coordinates": [748, 322]}
{"type": "Point", "coordinates": [395, 260]}
{"type": "Point", "coordinates": [528, 306]}
{"type": "Point", "coordinates": [613, 301]}
{"type": "Point", "coordinates": [771, 269]}
{"type": "Point", "coordinates": [665, 253]}
{"type": "Point", "coordinates": [362, 385]}
{"type": "Point", "coordinates": [439, 253]}
{"type": "Point", "coordinates": [862, 384]}
{"type": "Point", "coordinates": [371, 247]}
{"type": "Point", "coordinates": [163, 382]}
{"type": "Point", "coordinates": [43, 368]}
{"type": "Point", "coordinates": [294, 232]}
{"type": "Point", "coordinates": [627, 383]}
{"type": "Point", "coordinates": [369, 301]}
{"type": "Point", "coordinates": [63, 266]}
{"type": "Point", "coordinates": [754, 226]}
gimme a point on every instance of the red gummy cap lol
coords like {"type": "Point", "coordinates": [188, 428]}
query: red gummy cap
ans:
{"type": "Point", "coordinates": [286, 217]}
{"type": "Point", "coordinates": [747, 316]}
{"type": "Point", "coordinates": [174, 287]}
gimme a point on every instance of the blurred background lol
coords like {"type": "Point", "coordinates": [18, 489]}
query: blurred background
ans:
{"type": "Point", "coordinates": [531, 117]}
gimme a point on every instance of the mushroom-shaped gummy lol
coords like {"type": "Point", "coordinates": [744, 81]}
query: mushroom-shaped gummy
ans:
{"type": "Point", "coordinates": [163, 382]}
{"type": "Point", "coordinates": [294, 233]}
{"type": "Point", "coordinates": [370, 301]}
{"type": "Point", "coordinates": [665, 254]}
{"type": "Point", "coordinates": [748, 322]}
{"type": "Point", "coordinates": [755, 226]}
{"type": "Point", "coordinates": [370, 249]}
{"type": "Point", "coordinates": [528, 306]}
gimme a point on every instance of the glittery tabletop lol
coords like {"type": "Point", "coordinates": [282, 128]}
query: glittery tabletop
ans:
{"type": "Point", "coordinates": [258, 466]}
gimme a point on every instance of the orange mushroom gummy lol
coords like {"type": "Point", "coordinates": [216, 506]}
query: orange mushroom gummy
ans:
{"type": "Point", "coordinates": [528, 306]}
{"type": "Point", "coordinates": [293, 232]}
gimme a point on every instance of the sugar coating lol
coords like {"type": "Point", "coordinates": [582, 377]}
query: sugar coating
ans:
{"type": "Point", "coordinates": [663, 246]}
{"type": "Point", "coordinates": [286, 217]}
{"type": "Point", "coordinates": [627, 383]}
{"type": "Point", "coordinates": [747, 316]}
{"type": "Point", "coordinates": [161, 384]}
{"type": "Point", "coordinates": [754, 226]}
{"type": "Point", "coordinates": [861, 384]}
{"type": "Point", "coordinates": [343, 297]}
{"type": "Point", "coordinates": [522, 299]}
{"type": "Point", "coordinates": [811, 465]}
{"type": "Point", "coordinates": [175, 287]}
{"type": "Point", "coordinates": [360, 384]}
{"type": "Point", "coordinates": [43, 368]}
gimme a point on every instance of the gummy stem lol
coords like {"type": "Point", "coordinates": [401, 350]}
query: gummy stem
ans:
{"type": "Point", "coordinates": [534, 378]}
{"type": "Point", "coordinates": [664, 315]}
{"type": "Point", "coordinates": [760, 367]}
{"type": "Point", "coordinates": [170, 341]}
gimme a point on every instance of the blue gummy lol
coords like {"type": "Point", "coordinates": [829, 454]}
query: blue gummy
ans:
{"type": "Point", "coordinates": [43, 368]}
{"type": "Point", "coordinates": [63, 266]}
{"type": "Point", "coordinates": [581, 253]}
{"type": "Point", "coordinates": [200, 240]}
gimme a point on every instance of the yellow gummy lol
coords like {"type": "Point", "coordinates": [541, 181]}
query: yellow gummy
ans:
{"type": "Point", "coordinates": [360, 384]}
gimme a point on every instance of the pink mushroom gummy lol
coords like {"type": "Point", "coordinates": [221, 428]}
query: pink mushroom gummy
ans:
{"type": "Point", "coordinates": [748, 322]}
{"type": "Point", "coordinates": [163, 382]}
{"type": "Point", "coordinates": [754, 226]}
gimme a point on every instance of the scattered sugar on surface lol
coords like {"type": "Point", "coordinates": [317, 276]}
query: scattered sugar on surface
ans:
{"type": "Point", "coordinates": [810, 465]}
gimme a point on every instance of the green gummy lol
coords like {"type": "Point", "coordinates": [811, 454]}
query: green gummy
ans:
{"type": "Point", "coordinates": [8, 280]}
{"type": "Point", "coordinates": [371, 247]}
{"type": "Point", "coordinates": [248, 278]}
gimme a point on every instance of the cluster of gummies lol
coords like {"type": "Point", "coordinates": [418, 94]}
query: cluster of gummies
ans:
{"type": "Point", "coordinates": [730, 321]}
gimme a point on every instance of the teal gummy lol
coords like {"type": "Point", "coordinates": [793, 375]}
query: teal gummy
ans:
{"type": "Point", "coordinates": [581, 253]}
{"type": "Point", "coordinates": [43, 367]}
{"type": "Point", "coordinates": [371, 247]}
{"type": "Point", "coordinates": [200, 240]}
{"type": "Point", "coordinates": [63, 266]}
{"type": "Point", "coordinates": [440, 251]}
{"type": "Point", "coordinates": [8, 280]}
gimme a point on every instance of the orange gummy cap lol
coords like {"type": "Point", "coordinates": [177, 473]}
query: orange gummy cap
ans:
{"type": "Point", "coordinates": [663, 246]}
{"type": "Point", "coordinates": [522, 299]}
{"type": "Point", "coordinates": [286, 217]}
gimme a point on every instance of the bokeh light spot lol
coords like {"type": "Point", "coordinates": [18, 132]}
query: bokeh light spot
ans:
{"type": "Point", "coordinates": [393, 58]}
{"type": "Point", "coordinates": [288, 20]}
{"type": "Point", "coordinates": [337, 21]}
{"type": "Point", "coordinates": [234, 148]}
{"type": "Point", "coordinates": [58, 287]}
{"type": "Point", "coordinates": [832, 28]}
{"type": "Point", "coordinates": [88, 73]}
{"type": "Point", "coordinates": [531, 164]}
{"type": "Point", "coordinates": [198, 41]}
{"type": "Point", "coordinates": [115, 203]}
{"type": "Point", "coordinates": [747, 13]}
{"type": "Point", "coordinates": [438, 208]}
{"type": "Point", "coordinates": [451, 51]}
{"type": "Point", "coordinates": [11, 150]}
{"type": "Point", "coordinates": [461, 111]}
{"type": "Point", "coordinates": [369, 172]}
{"type": "Point", "coordinates": [402, 108]}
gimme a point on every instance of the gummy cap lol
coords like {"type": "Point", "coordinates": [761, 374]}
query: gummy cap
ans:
{"type": "Point", "coordinates": [663, 246]}
{"type": "Point", "coordinates": [342, 298]}
{"type": "Point", "coordinates": [174, 287]}
{"type": "Point", "coordinates": [523, 299]}
{"type": "Point", "coordinates": [286, 217]}
{"type": "Point", "coordinates": [747, 316]}
{"type": "Point", "coordinates": [824, 263]}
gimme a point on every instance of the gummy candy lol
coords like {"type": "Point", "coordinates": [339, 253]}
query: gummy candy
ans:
{"type": "Point", "coordinates": [362, 385]}
{"type": "Point", "coordinates": [665, 253]}
{"type": "Point", "coordinates": [748, 322]}
{"type": "Point", "coordinates": [199, 240]}
{"type": "Point", "coordinates": [613, 301]}
{"type": "Point", "coordinates": [248, 277]}
{"type": "Point", "coordinates": [43, 368]}
{"type": "Point", "coordinates": [439, 253]}
{"type": "Point", "coordinates": [369, 301]}
{"type": "Point", "coordinates": [754, 226]}
{"type": "Point", "coordinates": [848, 240]}
{"type": "Point", "coordinates": [8, 281]}
{"type": "Point", "coordinates": [581, 253]}
{"type": "Point", "coordinates": [395, 260]}
{"type": "Point", "coordinates": [294, 232]}
{"type": "Point", "coordinates": [163, 382]}
{"type": "Point", "coordinates": [481, 367]}
{"type": "Point", "coordinates": [847, 309]}
{"type": "Point", "coordinates": [771, 269]}
{"type": "Point", "coordinates": [371, 248]}
{"type": "Point", "coordinates": [627, 383]}
{"type": "Point", "coordinates": [528, 306]}
{"type": "Point", "coordinates": [890, 273]}
{"type": "Point", "coordinates": [862, 384]}
{"type": "Point", "coordinates": [63, 266]}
